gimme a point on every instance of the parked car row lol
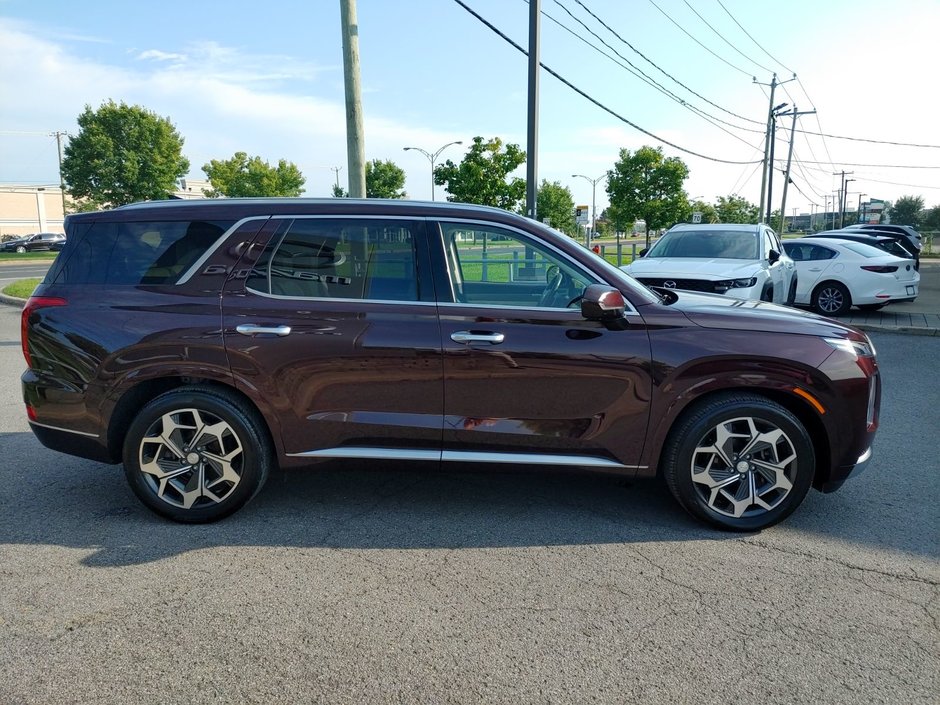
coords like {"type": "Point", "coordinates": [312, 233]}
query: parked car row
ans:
{"type": "Point", "coordinates": [829, 272]}
{"type": "Point", "coordinates": [40, 242]}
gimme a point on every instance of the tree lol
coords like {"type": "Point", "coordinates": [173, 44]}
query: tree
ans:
{"type": "Point", "coordinates": [646, 185]}
{"type": "Point", "coordinates": [482, 175]}
{"type": "Point", "coordinates": [736, 209]}
{"type": "Point", "coordinates": [907, 210]}
{"type": "Point", "coordinates": [122, 154]}
{"type": "Point", "coordinates": [555, 202]}
{"type": "Point", "coordinates": [708, 211]}
{"type": "Point", "coordinates": [384, 180]}
{"type": "Point", "coordinates": [243, 176]}
{"type": "Point", "coordinates": [931, 219]}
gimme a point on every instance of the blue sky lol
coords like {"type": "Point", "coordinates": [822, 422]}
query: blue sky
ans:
{"type": "Point", "coordinates": [266, 78]}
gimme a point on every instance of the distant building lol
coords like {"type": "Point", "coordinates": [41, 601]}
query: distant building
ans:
{"type": "Point", "coordinates": [30, 209]}
{"type": "Point", "coordinates": [191, 188]}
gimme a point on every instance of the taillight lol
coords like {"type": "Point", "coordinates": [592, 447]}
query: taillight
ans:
{"type": "Point", "coordinates": [880, 268]}
{"type": "Point", "coordinates": [33, 304]}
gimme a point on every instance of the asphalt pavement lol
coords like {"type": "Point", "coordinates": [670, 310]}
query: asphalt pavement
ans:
{"type": "Point", "coordinates": [374, 583]}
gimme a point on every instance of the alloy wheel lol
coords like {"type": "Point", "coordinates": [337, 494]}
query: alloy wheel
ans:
{"type": "Point", "coordinates": [191, 458]}
{"type": "Point", "coordinates": [744, 467]}
{"type": "Point", "coordinates": [830, 299]}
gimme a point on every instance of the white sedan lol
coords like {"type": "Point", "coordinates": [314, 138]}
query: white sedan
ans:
{"type": "Point", "coordinates": [835, 275]}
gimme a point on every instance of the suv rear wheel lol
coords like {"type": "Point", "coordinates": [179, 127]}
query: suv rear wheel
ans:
{"type": "Point", "coordinates": [740, 462]}
{"type": "Point", "coordinates": [196, 455]}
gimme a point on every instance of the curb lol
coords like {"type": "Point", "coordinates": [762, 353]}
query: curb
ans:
{"type": "Point", "coordinates": [11, 300]}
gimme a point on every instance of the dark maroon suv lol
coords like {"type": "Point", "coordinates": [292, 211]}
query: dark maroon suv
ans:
{"type": "Point", "coordinates": [205, 343]}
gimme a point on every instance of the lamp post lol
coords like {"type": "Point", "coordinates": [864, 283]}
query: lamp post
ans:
{"type": "Point", "coordinates": [861, 212]}
{"type": "Point", "coordinates": [587, 240]}
{"type": "Point", "coordinates": [432, 157]}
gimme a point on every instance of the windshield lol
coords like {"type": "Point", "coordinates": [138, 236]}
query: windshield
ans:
{"type": "Point", "coordinates": [721, 244]}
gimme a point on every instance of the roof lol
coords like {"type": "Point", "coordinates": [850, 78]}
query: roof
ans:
{"type": "Point", "coordinates": [722, 227]}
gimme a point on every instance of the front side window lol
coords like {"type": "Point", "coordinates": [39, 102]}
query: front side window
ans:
{"type": "Point", "coordinates": [496, 267]}
{"type": "Point", "coordinates": [339, 258]}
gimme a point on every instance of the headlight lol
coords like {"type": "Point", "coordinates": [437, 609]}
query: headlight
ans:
{"type": "Point", "coordinates": [859, 348]}
{"type": "Point", "coordinates": [723, 286]}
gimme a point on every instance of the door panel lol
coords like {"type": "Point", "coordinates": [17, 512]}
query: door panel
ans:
{"type": "Point", "coordinates": [523, 379]}
{"type": "Point", "coordinates": [346, 353]}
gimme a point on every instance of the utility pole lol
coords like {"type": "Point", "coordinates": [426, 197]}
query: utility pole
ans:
{"type": "Point", "coordinates": [842, 195]}
{"type": "Point", "coordinates": [587, 240]}
{"type": "Point", "coordinates": [532, 143]}
{"type": "Point", "coordinates": [58, 140]}
{"type": "Point", "coordinates": [768, 159]}
{"type": "Point", "coordinates": [355, 141]}
{"type": "Point", "coordinates": [786, 181]}
{"type": "Point", "coordinates": [336, 170]}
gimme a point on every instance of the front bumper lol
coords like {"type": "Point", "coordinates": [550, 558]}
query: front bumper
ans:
{"type": "Point", "coordinates": [845, 472]}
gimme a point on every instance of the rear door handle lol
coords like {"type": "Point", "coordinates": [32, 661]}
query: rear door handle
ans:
{"type": "Point", "coordinates": [470, 336]}
{"type": "Point", "coordinates": [252, 329]}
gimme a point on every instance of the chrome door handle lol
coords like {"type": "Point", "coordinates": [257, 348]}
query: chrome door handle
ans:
{"type": "Point", "coordinates": [252, 329]}
{"type": "Point", "coordinates": [467, 336]}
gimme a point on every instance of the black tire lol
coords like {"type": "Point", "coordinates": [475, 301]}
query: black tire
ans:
{"type": "Point", "coordinates": [686, 457]}
{"type": "Point", "coordinates": [767, 294]}
{"type": "Point", "coordinates": [871, 307]}
{"type": "Point", "coordinates": [831, 299]}
{"type": "Point", "coordinates": [216, 456]}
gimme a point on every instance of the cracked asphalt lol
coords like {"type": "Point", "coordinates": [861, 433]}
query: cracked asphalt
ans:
{"type": "Point", "coordinates": [356, 584]}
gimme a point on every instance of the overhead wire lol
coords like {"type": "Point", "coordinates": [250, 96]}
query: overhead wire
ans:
{"type": "Point", "coordinates": [722, 37]}
{"type": "Point", "coordinates": [754, 40]}
{"type": "Point", "coordinates": [589, 97]}
{"type": "Point", "coordinates": [720, 58]}
{"type": "Point", "coordinates": [654, 64]}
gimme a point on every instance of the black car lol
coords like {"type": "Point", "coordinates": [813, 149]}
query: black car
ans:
{"type": "Point", "coordinates": [889, 242]}
{"type": "Point", "coordinates": [40, 242]}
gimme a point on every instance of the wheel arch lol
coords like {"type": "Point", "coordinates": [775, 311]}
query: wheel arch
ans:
{"type": "Point", "coordinates": [143, 392]}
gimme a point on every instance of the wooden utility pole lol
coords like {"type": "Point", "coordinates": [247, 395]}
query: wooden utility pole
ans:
{"type": "Point", "coordinates": [767, 175]}
{"type": "Point", "coordinates": [355, 141]}
{"type": "Point", "coordinates": [58, 140]}
{"type": "Point", "coordinates": [786, 180]}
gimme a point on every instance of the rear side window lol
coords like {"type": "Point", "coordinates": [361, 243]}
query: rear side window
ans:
{"type": "Point", "coordinates": [150, 253]}
{"type": "Point", "coordinates": [339, 258]}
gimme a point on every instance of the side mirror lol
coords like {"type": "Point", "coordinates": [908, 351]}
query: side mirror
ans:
{"type": "Point", "coordinates": [644, 251]}
{"type": "Point", "coordinates": [773, 256]}
{"type": "Point", "coordinates": [602, 303]}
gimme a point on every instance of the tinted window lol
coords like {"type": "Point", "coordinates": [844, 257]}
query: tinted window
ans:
{"type": "Point", "coordinates": [864, 250]}
{"type": "Point", "coordinates": [339, 258]}
{"type": "Point", "coordinates": [150, 253]}
{"type": "Point", "coordinates": [723, 244]}
{"type": "Point", "coordinates": [492, 266]}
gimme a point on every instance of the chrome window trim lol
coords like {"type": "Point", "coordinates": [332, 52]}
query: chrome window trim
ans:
{"type": "Point", "coordinates": [461, 456]}
{"type": "Point", "coordinates": [397, 302]}
{"type": "Point", "coordinates": [592, 276]}
{"type": "Point", "coordinates": [215, 246]}
{"type": "Point", "coordinates": [500, 307]}
{"type": "Point", "coordinates": [66, 430]}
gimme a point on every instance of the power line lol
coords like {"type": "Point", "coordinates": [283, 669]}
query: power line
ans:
{"type": "Point", "coordinates": [659, 68]}
{"type": "Point", "coordinates": [725, 40]}
{"type": "Point", "coordinates": [754, 40]}
{"type": "Point", "coordinates": [588, 97]}
{"type": "Point", "coordinates": [720, 58]}
{"type": "Point", "coordinates": [872, 141]}
{"type": "Point", "coordinates": [639, 73]}
{"type": "Point", "coordinates": [878, 166]}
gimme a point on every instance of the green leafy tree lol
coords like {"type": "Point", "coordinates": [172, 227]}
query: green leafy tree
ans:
{"type": "Point", "coordinates": [339, 191]}
{"type": "Point", "coordinates": [645, 185]}
{"type": "Point", "coordinates": [482, 176]}
{"type": "Point", "coordinates": [555, 202]}
{"type": "Point", "coordinates": [907, 210]}
{"type": "Point", "coordinates": [931, 219]}
{"type": "Point", "coordinates": [708, 211]}
{"type": "Point", "coordinates": [122, 154]}
{"type": "Point", "coordinates": [243, 176]}
{"type": "Point", "coordinates": [384, 179]}
{"type": "Point", "coordinates": [736, 209]}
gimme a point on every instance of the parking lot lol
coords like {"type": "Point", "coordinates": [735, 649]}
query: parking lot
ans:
{"type": "Point", "coordinates": [372, 583]}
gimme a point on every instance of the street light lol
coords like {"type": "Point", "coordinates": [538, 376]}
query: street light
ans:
{"type": "Point", "coordinates": [432, 158]}
{"type": "Point", "coordinates": [861, 213]}
{"type": "Point", "coordinates": [587, 240]}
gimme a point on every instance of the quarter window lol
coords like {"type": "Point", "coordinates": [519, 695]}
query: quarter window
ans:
{"type": "Point", "coordinates": [339, 259]}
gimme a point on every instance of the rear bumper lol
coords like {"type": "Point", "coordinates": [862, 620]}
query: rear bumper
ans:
{"type": "Point", "coordinates": [78, 444]}
{"type": "Point", "coordinates": [846, 472]}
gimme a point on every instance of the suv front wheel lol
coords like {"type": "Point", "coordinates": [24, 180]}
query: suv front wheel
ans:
{"type": "Point", "coordinates": [196, 455]}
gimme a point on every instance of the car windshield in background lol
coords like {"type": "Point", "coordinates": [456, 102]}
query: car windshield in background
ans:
{"type": "Point", "coordinates": [711, 244]}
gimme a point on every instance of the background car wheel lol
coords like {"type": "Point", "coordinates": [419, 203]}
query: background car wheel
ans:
{"type": "Point", "coordinates": [872, 307]}
{"type": "Point", "coordinates": [739, 462]}
{"type": "Point", "coordinates": [767, 294]}
{"type": "Point", "coordinates": [831, 299]}
{"type": "Point", "coordinates": [196, 454]}
{"type": "Point", "coordinates": [20, 249]}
